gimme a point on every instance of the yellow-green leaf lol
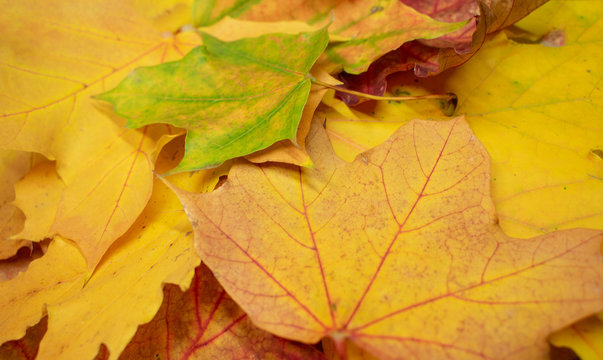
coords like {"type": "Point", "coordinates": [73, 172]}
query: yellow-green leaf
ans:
{"type": "Point", "coordinates": [233, 98]}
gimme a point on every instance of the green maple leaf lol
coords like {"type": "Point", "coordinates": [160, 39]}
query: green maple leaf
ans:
{"type": "Point", "coordinates": [233, 98]}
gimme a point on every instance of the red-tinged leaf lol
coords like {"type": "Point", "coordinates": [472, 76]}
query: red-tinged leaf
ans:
{"type": "Point", "coordinates": [205, 323]}
{"type": "Point", "coordinates": [399, 251]}
{"type": "Point", "coordinates": [449, 11]}
{"type": "Point", "coordinates": [431, 57]}
{"type": "Point", "coordinates": [361, 30]}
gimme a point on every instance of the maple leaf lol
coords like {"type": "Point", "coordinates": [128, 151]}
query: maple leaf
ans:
{"type": "Point", "coordinates": [241, 115]}
{"type": "Point", "coordinates": [25, 348]}
{"type": "Point", "coordinates": [229, 29]}
{"type": "Point", "coordinates": [205, 323]}
{"type": "Point", "coordinates": [535, 110]}
{"type": "Point", "coordinates": [38, 195]}
{"type": "Point", "coordinates": [362, 30]}
{"type": "Point", "coordinates": [55, 56]}
{"type": "Point", "coordinates": [208, 12]}
{"type": "Point", "coordinates": [13, 165]}
{"type": "Point", "coordinates": [371, 29]}
{"type": "Point", "coordinates": [449, 11]}
{"type": "Point", "coordinates": [430, 57]}
{"type": "Point", "coordinates": [123, 292]}
{"type": "Point", "coordinates": [399, 251]}
{"type": "Point", "coordinates": [584, 337]}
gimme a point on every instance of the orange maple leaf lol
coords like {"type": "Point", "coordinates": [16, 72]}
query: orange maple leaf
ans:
{"type": "Point", "coordinates": [399, 251]}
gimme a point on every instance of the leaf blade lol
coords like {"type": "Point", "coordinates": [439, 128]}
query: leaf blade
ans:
{"type": "Point", "coordinates": [224, 121]}
{"type": "Point", "coordinates": [420, 220]}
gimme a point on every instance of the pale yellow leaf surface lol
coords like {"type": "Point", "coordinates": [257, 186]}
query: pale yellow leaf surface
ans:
{"type": "Point", "coordinates": [126, 288]}
{"type": "Point", "coordinates": [585, 338]}
{"type": "Point", "coordinates": [13, 165]}
{"type": "Point", "coordinates": [59, 273]}
{"type": "Point", "coordinates": [124, 291]}
{"type": "Point", "coordinates": [166, 15]}
{"type": "Point", "coordinates": [38, 195]}
{"type": "Point", "coordinates": [536, 109]}
{"type": "Point", "coordinates": [55, 56]}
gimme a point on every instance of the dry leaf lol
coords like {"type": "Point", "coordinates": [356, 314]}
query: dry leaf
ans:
{"type": "Point", "coordinates": [56, 55]}
{"type": "Point", "coordinates": [259, 100]}
{"type": "Point", "coordinates": [204, 323]}
{"type": "Point", "coordinates": [536, 110]}
{"type": "Point", "coordinates": [124, 291]}
{"type": "Point", "coordinates": [25, 348]}
{"type": "Point", "coordinates": [584, 337]}
{"type": "Point", "coordinates": [399, 251]}
{"type": "Point", "coordinates": [13, 165]}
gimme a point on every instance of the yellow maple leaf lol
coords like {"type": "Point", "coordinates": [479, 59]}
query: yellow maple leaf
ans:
{"type": "Point", "coordinates": [124, 291]}
{"type": "Point", "coordinates": [535, 108]}
{"type": "Point", "coordinates": [55, 56]}
{"type": "Point", "coordinates": [584, 337]}
{"type": "Point", "coordinates": [13, 165]}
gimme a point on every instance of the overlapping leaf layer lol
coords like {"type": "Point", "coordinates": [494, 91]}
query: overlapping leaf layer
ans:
{"type": "Point", "coordinates": [403, 253]}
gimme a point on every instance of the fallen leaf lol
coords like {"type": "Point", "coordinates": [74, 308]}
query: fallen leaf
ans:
{"type": "Point", "coordinates": [229, 29]}
{"type": "Point", "coordinates": [310, 11]}
{"type": "Point", "coordinates": [259, 100]}
{"type": "Point", "coordinates": [25, 348]}
{"type": "Point", "coordinates": [166, 15]}
{"type": "Point", "coordinates": [123, 292]}
{"type": "Point", "coordinates": [61, 271]}
{"type": "Point", "coordinates": [494, 15]}
{"type": "Point", "coordinates": [372, 29]}
{"type": "Point", "coordinates": [205, 323]}
{"type": "Point", "coordinates": [352, 351]}
{"type": "Point", "coordinates": [38, 195]}
{"type": "Point", "coordinates": [361, 31]}
{"type": "Point", "coordinates": [55, 56]}
{"type": "Point", "coordinates": [13, 165]}
{"type": "Point", "coordinates": [584, 337]}
{"type": "Point", "coordinates": [432, 56]}
{"type": "Point", "coordinates": [399, 251]}
{"type": "Point", "coordinates": [452, 11]}
{"type": "Point", "coordinates": [536, 110]}
{"type": "Point", "coordinates": [18, 263]}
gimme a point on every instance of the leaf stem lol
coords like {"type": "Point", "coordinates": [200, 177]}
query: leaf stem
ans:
{"type": "Point", "coordinates": [448, 97]}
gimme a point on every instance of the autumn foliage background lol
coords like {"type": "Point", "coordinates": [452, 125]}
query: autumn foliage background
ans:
{"type": "Point", "coordinates": [291, 222]}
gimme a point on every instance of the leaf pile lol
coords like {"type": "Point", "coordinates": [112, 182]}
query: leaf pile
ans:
{"type": "Point", "coordinates": [181, 180]}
